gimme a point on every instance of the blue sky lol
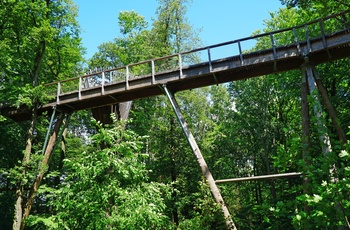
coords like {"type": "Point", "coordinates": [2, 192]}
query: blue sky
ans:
{"type": "Point", "coordinates": [219, 20]}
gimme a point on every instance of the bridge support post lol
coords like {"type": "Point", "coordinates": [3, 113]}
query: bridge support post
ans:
{"type": "Point", "coordinates": [200, 160]}
{"type": "Point", "coordinates": [327, 103]}
{"type": "Point", "coordinates": [103, 114]}
{"type": "Point", "coordinates": [314, 86]}
{"type": "Point", "coordinates": [315, 83]}
{"type": "Point", "coordinates": [309, 71]}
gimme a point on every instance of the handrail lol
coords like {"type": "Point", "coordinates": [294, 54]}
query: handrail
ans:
{"type": "Point", "coordinates": [126, 70]}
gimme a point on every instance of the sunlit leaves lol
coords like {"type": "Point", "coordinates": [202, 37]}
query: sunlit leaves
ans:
{"type": "Point", "coordinates": [131, 22]}
{"type": "Point", "coordinates": [109, 186]}
{"type": "Point", "coordinates": [40, 43]}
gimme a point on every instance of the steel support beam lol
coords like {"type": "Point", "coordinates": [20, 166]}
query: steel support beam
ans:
{"type": "Point", "coordinates": [200, 160]}
{"type": "Point", "coordinates": [49, 129]}
{"type": "Point", "coordinates": [322, 129]}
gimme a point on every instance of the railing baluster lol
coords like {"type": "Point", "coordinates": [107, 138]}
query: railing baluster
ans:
{"type": "Point", "coordinates": [79, 89]}
{"type": "Point", "coordinates": [58, 92]}
{"type": "Point", "coordinates": [324, 42]}
{"type": "Point", "coordinates": [240, 53]}
{"type": "Point", "coordinates": [209, 60]}
{"type": "Point", "coordinates": [307, 40]}
{"type": "Point", "coordinates": [153, 73]}
{"type": "Point", "coordinates": [127, 78]}
{"type": "Point", "coordinates": [180, 65]}
{"type": "Point", "coordinates": [103, 84]}
{"type": "Point", "coordinates": [273, 44]}
{"type": "Point", "coordinates": [296, 41]}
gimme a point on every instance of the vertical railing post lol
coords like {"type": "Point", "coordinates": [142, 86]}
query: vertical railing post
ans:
{"type": "Point", "coordinates": [324, 41]}
{"type": "Point", "coordinates": [103, 84]}
{"type": "Point", "coordinates": [79, 89]}
{"type": "Point", "coordinates": [273, 44]}
{"type": "Point", "coordinates": [307, 40]}
{"type": "Point", "coordinates": [296, 41]}
{"type": "Point", "coordinates": [58, 92]}
{"type": "Point", "coordinates": [180, 65]}
{"type": "Point", "coordinates": [209, 60]}
{"type": "Point", "coordinates": [153, 72]}
{"type": "Point", "coordinates": [240, 52]}
{"type": "Point", "coordinates": [127, 78]}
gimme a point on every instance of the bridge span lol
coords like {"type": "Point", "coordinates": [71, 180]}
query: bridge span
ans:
{"type": "Point", "coordinates": [316, 42]}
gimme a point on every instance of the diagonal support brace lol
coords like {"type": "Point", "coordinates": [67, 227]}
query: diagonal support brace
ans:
{"type": "Point", "coordinates": [200, 160]}
{"type": "Point", "coordinates": [49, 129]}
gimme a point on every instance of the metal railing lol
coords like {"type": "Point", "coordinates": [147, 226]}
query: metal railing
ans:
{"type": "Point", "coordinates": [319, 28]}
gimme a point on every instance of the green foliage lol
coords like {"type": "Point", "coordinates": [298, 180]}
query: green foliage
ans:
{"type": "Point", "coordinates": [117, 179]}
{"type": "Point", "coordinates": [29, 94]}
{"type": "Point", "coordinates": [170, 33]}
{"type": "Point", "coordinates": [132, 48]}
{"type": "Point", "coordinates": [131, 22]}
{"type": "Point", "coordinates": [108, 187]}
{"type": "Point", "coordinates": [330, 204]}
{"type": "Point", "coordinates": [206, 214]}
{"type": "Point", "coordinates": [39, 43]}
{"type": "Point", "coordinates": [37, 47]}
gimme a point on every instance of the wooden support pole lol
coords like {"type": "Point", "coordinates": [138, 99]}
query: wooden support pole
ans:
{"type": "Point", "coordinates": [322, 129]}
{"type": "Point", "coordinates": [310, 70]}
{"type": "Point", "coordinates": [327, 102]}
{"type": "Point", "coordinates": [200, 160]}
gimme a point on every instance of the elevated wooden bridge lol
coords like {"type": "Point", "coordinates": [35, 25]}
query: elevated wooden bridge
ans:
{"type": "Point", "coordinates": [286, 49]}
{"type": "Point", "coordinates": [316, 42]}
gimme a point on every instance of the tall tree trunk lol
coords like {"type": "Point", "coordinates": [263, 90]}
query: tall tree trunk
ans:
{"type": "Point", "coordinates": [62, 153]}
{"type": "Point", "coordinates": [20, 190]}
{"type": "Point", "coordinates": [266, 140]}
{"type": "Point", "coordinates": [173, 174]}
{"type": "Point", "coordinates": [43, 169]}
{"type": "Point", "coordinates": [18, 219]}
{"type": "Point", "coordinates": [305, 137]}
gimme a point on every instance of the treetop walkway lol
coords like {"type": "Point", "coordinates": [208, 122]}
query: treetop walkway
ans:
{"type": "Point", "coordinates": [318, 41]}
{"type": "Point", "coordinates": [299, 47]}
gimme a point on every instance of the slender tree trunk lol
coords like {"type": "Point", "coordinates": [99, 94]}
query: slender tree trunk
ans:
{"type": "Point", "coordinates": [256, 183]}
{"type": "Point", "coordinates": [62, 153]}
{"type": "Point", "coordinates": [43, 169]}
{"type": "Point", "coordinates": [19, 212]}
{"type": "Point", "coordinates": [173, 174]}
{"type": "Point", "coordinates": [305, 137]}
{"type": "Point", "coordinates": [27, 153]}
